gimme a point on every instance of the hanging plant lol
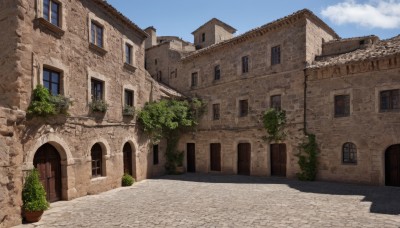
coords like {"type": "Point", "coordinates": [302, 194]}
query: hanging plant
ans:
{"type": "Point", "coordinates": [274, 122]}
{"type": "Point", "coordinates": [44, 104]}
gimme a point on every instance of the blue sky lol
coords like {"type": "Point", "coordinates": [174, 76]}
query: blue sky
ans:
{"type": "Point", "coordinates": [349, 18]}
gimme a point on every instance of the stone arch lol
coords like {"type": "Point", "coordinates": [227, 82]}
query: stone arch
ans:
{"type": "Point", "coordinates": [391, 164]}
{"type": "Point", "coordinates": [106, 153]}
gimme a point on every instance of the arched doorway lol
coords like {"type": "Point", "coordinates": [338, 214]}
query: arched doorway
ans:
{"type": "Point", "coordinates": [278, 160]}
{"type": "Point", "coordinates": [244, 159]}
{"type": "Point", "coordinates": [127, 154]}
{"type": "Point", "coordinates": [392, 165]}
{"type": "Point", "coordinates": [48, 162]}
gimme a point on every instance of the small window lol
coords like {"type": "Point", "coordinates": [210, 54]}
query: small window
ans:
{"type": "Point", "coordinates": [216, 114]}
{"type": "Point", "coordinates": [155, 155]}
{"type": "Point", "coordinates": [51, 12]}
{"type": "Point", "coordinates": [194, 79]}
{"type": "Point", "coordinates": [217, 72]}
{"type": "Point", "coordinates": [155, 62]}
{"type": "Point", "coordinates": [52, 81]}
{"type": "Point", "coordinates": [349, 153]}
{"type": "Point", "coordinates": [97, 34]}
{"type": "Point", "coordinates": [243, 108]}
{"type": "Point", "coordinates": [129, 98]}
{"type": "Point", "coordinates": [276, 102]}
{"type": "Point", "coordinates": [97, 160]}
{"type": "Point", "coordinates": [245, 64]}
{"type": "Point", "coordinates": [390, 100]}
{"type": "Point", "coordinates": [342, 105]}
{"type": "Point", "coordinates": [159, 76]}
{"type": "Point", "coordinates": [203, 37]}
{"type": "Point", "coordinates": [128, 54]}
{"type": "Point", "coordinates": [275, 55]}
{"type": "Point", "coordinates": [97, 89]}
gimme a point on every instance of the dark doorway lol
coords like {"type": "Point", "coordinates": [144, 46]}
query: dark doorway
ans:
{"type": "Point", "coordinates": [191, 158]}
{"type": "Point", "coordinates": [48, 162]}
{"type": "Point", "coordinates": [392, 166]}
{"type": "Point", "coordinates": [244, 158]}
{"type": "Point", "coordinates": [127, 151]}
{"type": "Point", "coordinates": [278, 160]}
{"type": "Point", "coordinates": [215, 157]}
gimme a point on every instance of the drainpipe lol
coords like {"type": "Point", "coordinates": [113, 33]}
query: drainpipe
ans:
{"type": "Point", "coordinates": [305, 102]}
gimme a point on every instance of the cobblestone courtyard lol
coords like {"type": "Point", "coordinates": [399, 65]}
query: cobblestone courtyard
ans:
{"type": "Point", "coordinates": [195, 200]}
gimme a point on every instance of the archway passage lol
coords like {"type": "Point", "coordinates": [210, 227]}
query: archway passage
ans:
{"type": "Point", "coordinates": [48, 162]}
{"type": "Point", "coordinates": [127, 151]}
{"type": "Point", "coordinates": [392, 166]}
{"type": "Point", "coordinates": [244, 159]}
{"type": "Point", "coordinates": [278, 160]}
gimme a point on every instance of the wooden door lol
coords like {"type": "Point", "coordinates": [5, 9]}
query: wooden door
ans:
{"type": "Point", "coordinates": [215, 157]}
{"type": "Point", "coordinates": [392, 166]}
{"type": "Point", "coordinates": [127, 151]}
{"type": "Point", "coordinates": [244, 158]}
{"type": "Point", "coordinates": [48, 162]}
{"type": "Point", "coordinates": [191, 158]}
{"type": "Point", "coordinates": [278, 160]}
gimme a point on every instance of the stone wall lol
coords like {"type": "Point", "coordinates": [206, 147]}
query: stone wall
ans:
{"type": "Point", "coordinates": [369, 129]}
{"type": "Point", "coordinates": [315, 39]}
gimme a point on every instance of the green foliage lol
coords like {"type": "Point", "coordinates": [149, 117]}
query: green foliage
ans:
{"type": "Point", "coordinates": [44, 104]}
{"type": "Point", "coordinates": [274, 122]}
{"type": "Point", "coordinates": [33, 193]}
{"type": "Point", "coordinates": [308, 159]}
{"type": "Point", "coordinates": [128, 111]}
{"type": "Point", "coordinates": [127, 180]}
{"type": "Point", "coordinates": [98, 106]}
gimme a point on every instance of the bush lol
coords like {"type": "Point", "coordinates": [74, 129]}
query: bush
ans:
{"type": "Point", "coordinates": [127, 180]}
{"type": "Point", "coordinates": [61, 103]}
{"type": "Point", "coordinates": [98, 106]}
{"type": "Point", "coordinates": [308, 159]}
{"type": "Point", "coordinates": [41, 104]}
{"type": "Point", "coordinates": [33, 193]}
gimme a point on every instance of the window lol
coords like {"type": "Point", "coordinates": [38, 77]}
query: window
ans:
{"type": "Point", "coordinates": [128, 54]}
{"type": "Point", "coordinates": [390, 100]}
{"type": "Point", "coordinates": [243, 108]}
{"type": "Point", "coordinates": [275, 55]}
{"type": "Point", "coordinates": [159, 76]}
{"type": "Point", "coordinates": [217, 72]}
{"type": "Point", "coordinates": [194, 79]}
{"type": "Point", "coordinates": [129, 98]}
{"type": "Point", "coordinates": [52, 81]}
{"type": "Point", "coordinates": [203, 37]}
{"type": "Point", "coordinates": [96, 34]}
{"type": "Point", "coordinates": [245, 64]}
{"type": "Point", "coordinates": [155, 154]}
{"type": "Point", "coordinates": [155, 62]}
{"type": "Point", "coordinates": [349, 153]}
{"type": "Point", "coordinates": [216, 115]}
{"type": "Point", "coordinates": [97, 89]}
{"type": "Point", "coordinates": [342, 105]}
{"type": "Point", "coordinates": [215, 157]}
{"type": "Point", "coordinates": [276, 102]}
{"type": "Point", "coordinates": [51, 12]}
{"type": "Point", "coordinates": [97, 160]}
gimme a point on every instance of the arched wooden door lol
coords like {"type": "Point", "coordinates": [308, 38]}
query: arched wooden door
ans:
{"type": "Point", "coordinates": [392, 166]}
{"type": "Point", "coordinates": [127, 151]}
{"type": "Point", "coordinates": [48, 163]}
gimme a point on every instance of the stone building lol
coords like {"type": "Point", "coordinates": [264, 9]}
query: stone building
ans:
{"type": "Point", "coordinates": [87, 51]}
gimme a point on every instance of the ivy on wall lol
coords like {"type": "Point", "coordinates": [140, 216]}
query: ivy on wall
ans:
{"type": "Point", "coordinates": [308, 159]}
{"type": "Point", "coordinates": [274, 122]}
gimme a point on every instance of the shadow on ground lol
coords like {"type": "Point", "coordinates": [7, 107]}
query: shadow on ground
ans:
{"type": "Point", "coordinates": [385, 200]}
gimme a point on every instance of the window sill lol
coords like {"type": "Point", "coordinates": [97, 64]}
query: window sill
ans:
{"type": "Point", "coordinates": [350, 163]}
{"type": "Point", "coordinates": [43, 23]}
{"type": "Point", "coordinates": [96, 179]}
{"type": "Point", "coordinates": [97, 49]}
{"type": "Point", "coordinates": [129, 67]}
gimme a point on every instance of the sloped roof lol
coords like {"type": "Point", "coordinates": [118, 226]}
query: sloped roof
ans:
{"type": "Point", "coordinates": [218, 22]}
{"type": "Point", "coordinates": [263, 29]}
{"type": "Point", "coordinates": [381, 49]}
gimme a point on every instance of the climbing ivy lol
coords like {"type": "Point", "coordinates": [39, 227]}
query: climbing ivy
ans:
{"type": "Point", "coordinates": [274, 122]}
{"type": "Point", "coordinates": [307, 155]}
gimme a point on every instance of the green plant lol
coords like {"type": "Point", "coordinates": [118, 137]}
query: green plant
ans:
{"type": "Point", "coordinates": [33, 193]}
{"type": "Point", "coordinates": [41, 104]}
{"type": "Point", "coordinates": [308, 159]}
{"type": "Point", "coordinates": [128, 111]}
{"type": "Point", "coordinates": [274, 122]}
{"type": "Point", "coordinates": [98, 106]}
{"type": "Point", "coordinates": [127, 180]}
{"type": "Point", "coordinates": [61, 103]}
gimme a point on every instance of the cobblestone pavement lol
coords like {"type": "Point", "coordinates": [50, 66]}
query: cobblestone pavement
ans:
{"type": "Point", "coordinates": [195, 200]}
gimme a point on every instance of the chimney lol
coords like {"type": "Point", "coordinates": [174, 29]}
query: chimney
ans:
{"type": "Point", "coordinates": [152, 39]}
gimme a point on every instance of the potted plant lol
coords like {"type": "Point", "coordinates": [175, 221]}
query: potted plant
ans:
{"type": "Point", "coordinates": [33, 197]}
{"type": "Point", "coordinates": [127, 180]}
{"type": "Point", "coordinates": [99, 106]}
{"type": "Point", "coordinates": [128, 111]}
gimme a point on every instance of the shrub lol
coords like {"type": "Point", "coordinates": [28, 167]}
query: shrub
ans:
{"type": "Point", "coordinates": [128, 111]}
{"type": "Point", "coordinates": [41, 104]}
{"type": "Point", "coordinates": [98, 106]}
{"type": "Point", "coordinates": [33, 193]}
{"type": "Point", "coordinates": [308, 159]}
{"type": "Point", "coordinates": [127, 180]}
{"type": "Point", "coordinates": [61, 103]}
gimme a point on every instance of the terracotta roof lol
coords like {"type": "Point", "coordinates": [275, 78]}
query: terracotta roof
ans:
{"type": "Point", "coordinates": [109, 8]}
{"type": "Point", "coordinates": [262, 29]}
{"type": "Point", "coordinates": [381, 49]}
{"type": "Point", "coordinates": [219, 22]}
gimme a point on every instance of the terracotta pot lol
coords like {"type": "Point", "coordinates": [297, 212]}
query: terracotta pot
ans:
{"type": "Point", "coordinates": [33, 216]}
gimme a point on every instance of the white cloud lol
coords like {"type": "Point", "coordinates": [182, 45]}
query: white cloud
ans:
{"type": "Point", "coordinates": [375, 14]}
